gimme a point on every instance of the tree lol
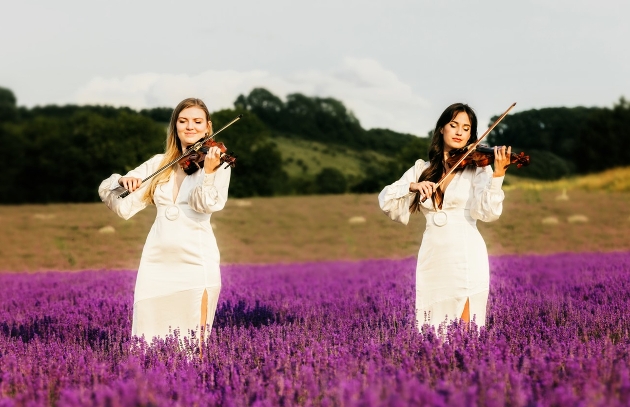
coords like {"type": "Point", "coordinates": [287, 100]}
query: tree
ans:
{"type": "Point", "coordinates": [63, 159]}
{"type": "Point", "coordinates": [330, 181]}
{"type": "Point", "coordinates": [602, 139]}
{"type": "Point", "coordinates": [159, 114]}
{"type": "Point", "coordinates": [8, 106]}
{"type": "Point", "coordinates": [258, 170]}
{"type": "Point", "coordinates": [547, 135]}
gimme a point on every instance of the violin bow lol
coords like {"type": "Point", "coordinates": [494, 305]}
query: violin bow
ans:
{"type": "Point", "coordinates": [471, 148]}
{"type": "Point", "coordinates": [189, 151]}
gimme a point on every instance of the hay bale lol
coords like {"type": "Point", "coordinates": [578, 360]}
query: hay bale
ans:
{"type": "Point", "coordinates": [550, 220]}
{"type": "Point", "coordinates": [107, 229]}
{"type": "Point", "coordinates": [356, 220]}
{"type": "Point", "coordinates": [577, 219]}
{"type": "Point", "coordinates": [241, 203]}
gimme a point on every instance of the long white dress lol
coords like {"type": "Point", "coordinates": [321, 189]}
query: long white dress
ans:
{"type": "Point", "coordinates": [453, 260]}
{"type": "Point", "coordinates": [180, 259]}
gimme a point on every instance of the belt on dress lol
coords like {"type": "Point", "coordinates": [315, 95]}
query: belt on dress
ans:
{"type": "Point", "coordinates": [442, 217]}
{"type": "Point", "coordinates": [172, 212]}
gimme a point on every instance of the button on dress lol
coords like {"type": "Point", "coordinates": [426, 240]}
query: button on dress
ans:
{"type": "Point", "coordinates": [452, 262]}
{"type": "Point", "coordinates": [180, 259]}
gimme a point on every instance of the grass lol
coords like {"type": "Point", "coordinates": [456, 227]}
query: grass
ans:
{"type": "Point", "coordinates": [307, 228]}
{"type": "Point", "coordinates": [615, 180]}
{"type": "Point", "coordinates": [304, 157]}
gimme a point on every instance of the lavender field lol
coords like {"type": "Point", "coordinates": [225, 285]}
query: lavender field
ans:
{"type": "Point", "coordinates": [326, 334]}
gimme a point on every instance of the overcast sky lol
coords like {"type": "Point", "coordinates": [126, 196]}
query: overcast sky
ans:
{"type": "Point", "coordinates": [395, 64]}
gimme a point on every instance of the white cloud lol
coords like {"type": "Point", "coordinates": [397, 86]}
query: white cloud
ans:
{"type": "Point", "coordinates": [376, 95]}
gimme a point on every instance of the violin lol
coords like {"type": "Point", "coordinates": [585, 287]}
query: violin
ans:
{"type": "Point", "coordinates": [482, 156]}
{"type": "Point", "coordinates": [195, 160]}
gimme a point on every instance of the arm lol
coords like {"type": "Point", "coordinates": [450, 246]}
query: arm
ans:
{"type": "Point", "coordinates": [110, 189]}
{"type": "Point", "coordinates": [211, 192]}
{"type": "Point", "coordinates": [487, 200]}
{"type": "Point", "coordinates": [395, 199]}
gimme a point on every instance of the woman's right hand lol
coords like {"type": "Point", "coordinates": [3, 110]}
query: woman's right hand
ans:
{"type": "Point", "coordinates": [130, 183]}
{"type": "Point", "coordinates": [425, 188]}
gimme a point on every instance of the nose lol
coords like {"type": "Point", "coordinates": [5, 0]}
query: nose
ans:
{"type": "Point", "coordinates": [459, 131]}
{"type": "Point", "coordinates": [189, 125]}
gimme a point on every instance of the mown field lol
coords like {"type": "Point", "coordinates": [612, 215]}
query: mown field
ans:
{"type": "Point", "coordinates": [311, 228]}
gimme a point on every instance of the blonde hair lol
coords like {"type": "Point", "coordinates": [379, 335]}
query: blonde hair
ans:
{"type": "Point", "coordinates": [173, 148]}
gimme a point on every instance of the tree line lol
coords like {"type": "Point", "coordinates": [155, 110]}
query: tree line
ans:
{"type": "Point", "coordinates": [61, 153]}
{"type": "Point", "coordinates": [565, 141]}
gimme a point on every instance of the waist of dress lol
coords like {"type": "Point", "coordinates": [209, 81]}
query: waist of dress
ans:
{"type": "Point", "coordinates": [173, 212]}
{"type": "Point", "coordinates": [450, 216]}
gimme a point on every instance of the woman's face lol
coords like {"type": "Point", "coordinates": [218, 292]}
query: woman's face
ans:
{"type": "Point", "coordinates": [192, 125]}
{"type": "Point", "coordinates": [456, 133]}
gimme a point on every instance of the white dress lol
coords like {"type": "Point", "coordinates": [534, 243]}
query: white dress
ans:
{"type": "Point", "coordinates": [180, 258]}
{"type": "Point", "coordinates": [453, 260]}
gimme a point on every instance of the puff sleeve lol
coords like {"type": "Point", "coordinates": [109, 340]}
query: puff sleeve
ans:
{"type": "Point", "coordinates": [211, 192]}
{"type": "Point", "coordinates": [110, 189]}
{"type": "Point", "coordinates": [395, 199]}
{"type": "Point", "coordinates": [487, 200]}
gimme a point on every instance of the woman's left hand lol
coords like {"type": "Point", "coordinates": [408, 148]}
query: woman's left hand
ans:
{"type": "Point", "coordinates": [212, 160]}
{"type": "Point", "coordinates": [501, 160]}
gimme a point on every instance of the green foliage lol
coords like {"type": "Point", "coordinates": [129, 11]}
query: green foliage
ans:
{"type": "Point", "coordinates": [330, 181]}
{"type": "Point", "coordinates": [324, 120]}
{"type": "Point", "coordinates": [378, 175]}
{"type": "Point", "coordinates": [603, 138]}
{"type": "Point", "coordinates": [562, 141]}
{"type": "Point", "coordinates": [304, 145]}
{"type": "Point", "coordinates": [551, 129]}
{"type": "Point", "coordinates": [159, 114]}
{"type": "Point", "coordinates": [51, 158]}
{"type": "Point", "coordinates": [544, 165]}
{"type": "Point", "coordinates": [258, 170]}
{"type": "Point", "coordinates": [8, 107]}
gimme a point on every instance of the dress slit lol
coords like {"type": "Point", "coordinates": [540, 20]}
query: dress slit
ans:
{"type": "Point", "coordinates": [203, 323]}
{"type": "Point", "coordinates": [466, 311]}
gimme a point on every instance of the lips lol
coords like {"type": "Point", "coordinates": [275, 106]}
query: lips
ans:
{"type": "Point", "coordinates": [457, 140]}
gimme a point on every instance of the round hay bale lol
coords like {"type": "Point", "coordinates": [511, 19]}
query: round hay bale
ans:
{"type": "Point", "coordinates": [107, 229]}
{"type": "Point", "coordinates": [356, 220]}
{"type": "Point", "coordinates": [577, 219]}
{"type": "Point", "coordinates": [241, 203]}
{"type": "Point", "coordinates": [550, 220]}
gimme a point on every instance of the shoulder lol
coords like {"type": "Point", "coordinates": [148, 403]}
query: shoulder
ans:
{"type": "Point", "coordinates": [156, 158]}
{"type": "Point", "coordinates": [420, 166]}
{"type": "Point", "coordinates": [155, 161]}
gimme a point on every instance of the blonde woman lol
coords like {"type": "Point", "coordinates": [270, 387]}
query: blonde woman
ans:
{"type": "Point", "coordinates": [179, 279]}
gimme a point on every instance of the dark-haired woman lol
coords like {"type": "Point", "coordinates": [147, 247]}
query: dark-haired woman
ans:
{"type": "Point", "coordinates": [452, 273]}
{"type": "Point", "coordinates": [179, 279]}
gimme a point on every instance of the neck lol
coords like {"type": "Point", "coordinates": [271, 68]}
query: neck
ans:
{"type": "Point", "coordinates": [446, 153]}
